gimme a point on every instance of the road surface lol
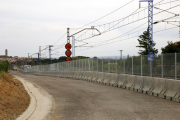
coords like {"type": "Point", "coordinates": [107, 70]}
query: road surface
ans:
{"type": "Point", "coordinates": [82, 100]}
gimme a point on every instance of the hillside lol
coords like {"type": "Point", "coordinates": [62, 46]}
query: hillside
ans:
{"type": "Point", "coordinates": [14, 99]}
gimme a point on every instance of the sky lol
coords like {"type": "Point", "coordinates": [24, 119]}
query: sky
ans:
{"type": "Point", "coordinates": [28, 24]}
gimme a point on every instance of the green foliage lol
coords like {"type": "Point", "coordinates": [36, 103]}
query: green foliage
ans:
{"type": "Point", "coordinates": [143, 43]}
{"type": "Point", "coordinates": [61, 59]}
{"type": "Point", "coordinates": [171, 48]}
{"type": "Point", "coordinates": [79, 57]}
{"type": "Point", "coordinates": [1, 74]}
{"type": "Point", "coordinates": [4, 66]}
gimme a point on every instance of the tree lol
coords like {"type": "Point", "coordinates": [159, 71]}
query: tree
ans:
{"type": "Point", "coordinates": [171, 47]}
{"type": "Point", "coordinates": [143, 43]}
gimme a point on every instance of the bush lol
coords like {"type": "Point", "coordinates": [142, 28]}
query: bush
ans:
{"type": "Point", "coordinates": [4, 66]}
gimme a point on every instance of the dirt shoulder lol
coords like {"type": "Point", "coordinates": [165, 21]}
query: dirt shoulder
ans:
{"type": "Point", "coordinates": [14, 99]}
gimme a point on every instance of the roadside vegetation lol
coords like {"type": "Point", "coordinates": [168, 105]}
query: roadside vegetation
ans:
{"type": "Point", "coordinates": [14, 99]}
{"type": "Point", "coordinates": [4, 66]}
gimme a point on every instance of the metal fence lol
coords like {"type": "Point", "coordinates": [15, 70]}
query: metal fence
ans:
{"type": "Point", "coordinates": [164, 65]}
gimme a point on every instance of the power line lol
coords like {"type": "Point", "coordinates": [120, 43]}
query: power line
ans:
{"type": "Point", "coordinates": [60, 38]}
{"type": "Point", "coordinates": [131, 22]}
{"type": "Point", "coordinates": [104, 15]}
{"type": "Point", "coordinates": [101, 44]}
{"type": "Point", "coordinates": [122, 19]}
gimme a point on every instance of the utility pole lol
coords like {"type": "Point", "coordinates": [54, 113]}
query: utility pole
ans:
{"type": "Point", "coordinates": [38, 58]}
{"type": "Point", "coordinates": [39, 52]}
{"type": "Point", "coordinates": [68, 41]}
{"type": "Point", "coordinates": [50, 54]}
{"type": "Point", "coordinates": [150, 30]}
{"type": "Point", "coordinates": [73, 46]}
{"type": "Point", "coordinates": [150, 25]}
{"type": "Point", "coordinates": [28, 59]}
{"type": "Point", "coordinates": [68, 35]}
{"type": "Point", "coordinates": [121, 54]}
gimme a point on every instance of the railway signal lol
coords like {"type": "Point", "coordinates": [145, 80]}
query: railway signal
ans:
{"type": "Point", "coordinates": [68, 52]}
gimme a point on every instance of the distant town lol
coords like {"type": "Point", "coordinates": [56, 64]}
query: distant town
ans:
{"type": "Point", "coordinates": [11, 59]}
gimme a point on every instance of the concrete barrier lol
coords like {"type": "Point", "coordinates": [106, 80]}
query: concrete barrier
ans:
{"type": "Point", "coordinates": [94, 76]}
{"type": "Point", "coordinates": [74, 75]}
{"type": "Point", "coordinates": [147, 85]}
{"type": "Point", "coordinates": [172, 89]}
{"type": "Point", "coordinates": [49, 73]}
{"type": "Point", "coordinates": [81, 75]}
{"type": "Point", "coordinates": [87, 75]}
{"type": "Point", "coordinates": [107, 79]}
{"type": "Point", "coordinates": [114, 79]}
{"type": "Point", "coordinates": [130, 82]}
{"type": "Point", "coordinates": [84, 75]}
{"type": "Point", "coordinates": [59, 73]}
{"type": "Point", "coordinates": [65, 74]}
{"type": "Point", "coordinates": [159, 87]}
{"type": "Point", "coordinates": [71, 73]}
{"type": "Point", "coordinates": [46, 72]}
{"type": "Point", "coordinates": [52, 73]}
{"type": "Point", "coordinates": [138, 84]}
{"type": "Point", "coordinates": [100, 77]}
{"type": "Point", "coordinates": [68, 74]}
{"type": "Point", "coordinates": [40, 73]}
{"type": "Point", "coordinates": [90, 75]}
{"type": "Point", "coordinates": [55, 73]}
{"type": "Point", "coordinates": [77, 75]}
{"type": "Point", "coordinates": [177, 97]}
{"type": "Point", "coordinates": [62, 74]}
{"type": "Point", "coordinates": [122, 80]}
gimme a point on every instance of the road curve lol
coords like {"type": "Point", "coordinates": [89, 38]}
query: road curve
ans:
{"type": "Point", "coordinates": [82, 100]}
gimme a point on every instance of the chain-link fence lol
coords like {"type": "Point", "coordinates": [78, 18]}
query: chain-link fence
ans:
{"type": "Point", "coordinates": [164, 65]}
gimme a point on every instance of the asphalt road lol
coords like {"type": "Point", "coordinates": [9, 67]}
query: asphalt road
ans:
{"type": "Point", "coordinates": [82, 100]}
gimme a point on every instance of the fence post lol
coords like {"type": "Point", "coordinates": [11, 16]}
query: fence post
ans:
{"type": "Point", "coordinates": [141, 65]}
{"type": "Point", "coordinates": [76, 65]}
{"type": "Point", "coordinates": [73, 65]}
{"type": "Point", "coordinates": [70, 65]}
{"type": "Point", "coordinates": [132, 65]}
{"type": "Point", "coordinates": [124, 67]}
{"type": "Point", "coordinates": [85, 64]}
{"type": "Point", "coordinates": [102, 64]}
{"type": "Point", "coordinates": [162, 65]}
{"type": "Point", "coordinates": [175, 67]}
{"type": "Point", "coordinates": [92, 64]}
{"type": "Point", "coordinates": [89, 64]}
{"type": "Point", "coordinates": [116, 65]}
{"type": "Point", "coordinates": [79, 65]}
{"type": "Point", "coordinates": [108, 66]}
{"type": "Point", "coordinates": [97, 64]}
{"type": "Point", "coordinates": [82, 64]}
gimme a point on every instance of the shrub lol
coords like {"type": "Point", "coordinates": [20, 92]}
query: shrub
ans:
{"type": "Point", "coordinates": [4, 66]}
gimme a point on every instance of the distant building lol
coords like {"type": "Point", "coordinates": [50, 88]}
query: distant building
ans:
{"type": "Point", "coordinates": [4, 57]}
{"type": "Point", "coordinates": [11, 59]}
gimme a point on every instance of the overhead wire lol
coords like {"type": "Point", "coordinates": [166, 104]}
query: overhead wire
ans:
{"type": "Point", "coordinates": [123, 18]}
{"type": "Point", "coordinates": [93, 21]}
{"type": "Point", "coordinates": [101, 44]}
{"type": "Point", "coordinates": [104, 16]}
{"type": "Point", "coordinates": [136, 21]}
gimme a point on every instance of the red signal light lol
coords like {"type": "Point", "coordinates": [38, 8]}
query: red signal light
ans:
{"type": "Point", "coordinates": [68, 53]}
{"type": "Point", "coordinates": [68, 46]}
{"type": "Point", "coordinates": [68, 59]}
